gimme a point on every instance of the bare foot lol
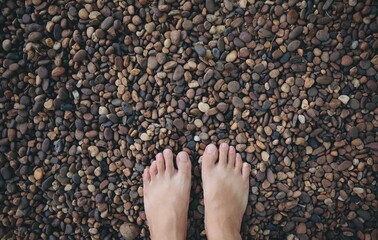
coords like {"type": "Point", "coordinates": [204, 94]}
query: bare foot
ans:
{"type": "Point", "coordinates": [166, 195]}
{"type": "Point", "coordinates": [225, 187]}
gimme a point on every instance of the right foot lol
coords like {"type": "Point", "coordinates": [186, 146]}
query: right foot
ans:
{"type": "Point", "coordinates": [225, 186]}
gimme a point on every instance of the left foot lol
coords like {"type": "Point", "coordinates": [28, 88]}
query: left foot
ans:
{"type": "Point", "coordinates": [166, 195]}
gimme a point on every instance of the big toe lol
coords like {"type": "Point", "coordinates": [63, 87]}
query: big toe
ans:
{"type": "Point", "coordinates": [210, 156]}
{"type": "Point", "coordinates": [183, 163]}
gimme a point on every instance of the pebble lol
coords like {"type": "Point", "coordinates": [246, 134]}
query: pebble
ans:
{"type": "Point", "coordinates": [210, 6]}
{"type": "Point", "coordinates": [322, 35]}
{"type": "Point", "coordinates": [274, 73]}
{"type": "Point", "coordinates": [231, 57]}
{"type": "Point", "coordinates": [344, 165]}
{"type": "Point", "coordinates": [346, 61]}
{"type": "Point", "coordinates": [344, 99]}
{"type": "Point", "coordinates": [107, 23]}
{"type": "Point", "coordinates": [237, 102]}
{"type": "Point", "coordinates": [38, 173]}
{"type": "Point", "coordinates": [233, 86]}
{"type": "Point", "coordinates": [294, 45]}
{"type": "Point", "coordinates": [6, 173]}
{"type": "Point", "coordinates": [79, 55]}
{"type": "Point", "coordinates": [292, 16]}
{"type": "Point", "coordinates": [175, 37]}
{"type": "Point", "coordinates": [203, 107]}
{"type": "Point", "coordinates": [6, 45]}
{"type": "Point", "coordinates": [178, 73]}
{"type": "Point", "coordinates": [129, 231]}
{"type": "Point", "coordinates": [265, 156]}
{"type": "Point", "coordinates": [200, 50]}
{"type": "Point", "coordinates": [325, 80]}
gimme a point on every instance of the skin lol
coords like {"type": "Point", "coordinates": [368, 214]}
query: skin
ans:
{"type": "Point", "coordinates": [167, 193]}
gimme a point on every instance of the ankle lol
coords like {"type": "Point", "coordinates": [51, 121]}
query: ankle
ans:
{"type": "Point", "coordinates": [168, 230]}
{"type": "Point", "coordinates": [223, 235]}
{"type": "Point", "coordinates": [218, 229]}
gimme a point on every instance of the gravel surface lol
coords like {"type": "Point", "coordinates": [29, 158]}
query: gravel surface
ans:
{"type": "Point", "coordinates": [91, 90]}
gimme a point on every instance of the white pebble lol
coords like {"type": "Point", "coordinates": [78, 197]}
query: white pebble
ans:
{"type": "Point", "coordinates": [356, 162]}
{"type": "Point", "coordinates": [103, 110]}
{"type": "Point", "coordinates": [344, 99]}
{"type": "Point", "coordinates": [301, 119]}
{"type": "Point", "coordinates": [352, 3]}
{"type": "Point", "coordinates": [354, 45]}
{"type": "Point", "coordinates": [196, 138]}
{"type": "Point", "coordinates": [75, 94]}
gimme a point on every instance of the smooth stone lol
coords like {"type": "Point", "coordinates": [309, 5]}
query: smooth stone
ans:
{"type": "Point", "coordinates": [237, 102]}
{"type": "Point", "coordinates": [294, 45]}
{"type": "Point", "coordinates": [346, 60]}
{"type": "Point", "coordinates": [259, 68]}
{"type": "Point", "coordinates": [245, 37]}
{"type": "Point", "coordinates": [79, 55]}
{"type": "Point", "coordinates": [6, 173]}
{"type": "Point", "coordinates": [322, 35]}
{"type": "Point", "coordinates": [179, 124]}
{"type": "Point", "coordinates": [152, 63]}
{"type": "Point", "coordinates": [344, 165]}
{"type": "Point", "coordinates": [344, 98]}
{"type": "Point", "coordinates": [175, 37]}
{"type": "Point", "coordinates": [233, 86]}
{"type": "Point", "coordinates": [274, 73]}
{"type": "Point", "coordinates": [107, 23]}
{"type": "Point", "coordinates": [210, 6]}
{"type": "Point", "coordinates": [323, 79]}
{"type": "Point", "coordinates": [7, 45]}
{"type": "Point", "coordinates": [231, 56]}
{"type": "Point", "coordinates": [178, 73]}
{"type": "Point", "coordinates": [129, 231]}
{"type": "Point", "coordinates": [292, 16]}
{"type": "Point", "coordinates": [200, 50]}
{"type": "Point", "coordinates": [203, 107]}
{"type": "Point", "coordinates": [47, 183]}
{"type": "Point", "coordinates": [57, 71]}
{"type": "Point", "coordinates": [296, 32]}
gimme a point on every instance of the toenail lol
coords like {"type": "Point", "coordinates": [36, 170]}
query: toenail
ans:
{"type": "Point", "coordinates": [210, 148]}
{"type": "Point", "coordinates": [183, 157]}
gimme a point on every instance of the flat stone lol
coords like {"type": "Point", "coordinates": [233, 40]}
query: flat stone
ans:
{"type": "Point", "coordinates": [346, 60]}
{"type": "Point", "coordinates": [322, 35]}
{"type": "Point", "coordinates": [129, 231]}
{"type": "Point", "coordinates": [274, 73]}
{"type": "Point", "coordinates": [38, 173]}
{"type": "Point", "coordinates": [301, 228]}
{"type": "Point", "coordinates": [175, 37]}
{"type": "Point", "coordinates": [296, 32]}
{"type": "Point", "coordinates": [178, 73]}
{"type": "Point", "coordinates": [79, 55]}
{"type": "Point", "coordinates": [344, 99]}
{"type": "Point", "coordinates": [265, 156]}
{"type": "Point", "coordinates": [237, 102]}
{"type": "Point", "coordinates": [47, 183]}
{"type": "Point", "coordinates": [344, 165]}
{"type": "Point", "coordinates": [294, 45]}
{"type": "Point", "coordinates": [210, 6]}
{"type": "Point", "coordinates": [323, 79]}
{"type": "Point", "coordinates": [233, 86]}
{"type": "Point", "coordinates": [152, 63]}
{"type": "Point", "coordinates": [200, 50]}
{"type": "Point", "coordinates": [107, 23]}
{"type": "Point", "coordinates": [292, 16]}
{"type": "Point", "coordinates": [203, 107]}
{"type": "Point", "coordinates": [232, 56]}
{"type": "Point", "coordinates": [57, 71]}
